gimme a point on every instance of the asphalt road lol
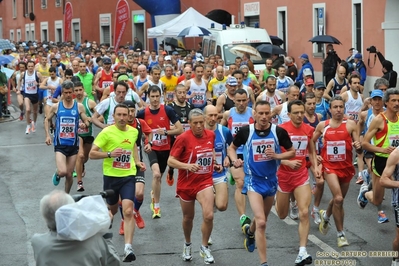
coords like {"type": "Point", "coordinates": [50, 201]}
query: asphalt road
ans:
{"type": "Point", "coordinates": [27, 165]}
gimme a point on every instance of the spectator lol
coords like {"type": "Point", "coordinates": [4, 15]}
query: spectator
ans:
{"type": "Point", "coordinates": [361, 68]}
{"type": "Point", "coordinates": [387, 68]}
{"type": "Point", "coordinates": [3, 93]}
{"type": "Point", "coordinates": [350, 60]}
{"type": "Point", "coordinates": [292, 70]}
{"type": "Point", "coordinates": [137, 44]}
{"type": "Point", "coordinates": [246, 60]}
{"type": "Point", "coordinates": [330, 63]}
{"type": "Point", "coordinates": [305, 64]}
{"type": "Point", "coordinates": [278, 61]}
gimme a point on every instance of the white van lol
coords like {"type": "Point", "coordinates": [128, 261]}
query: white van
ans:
{"type": "Point", "coordinates": [229, 42]}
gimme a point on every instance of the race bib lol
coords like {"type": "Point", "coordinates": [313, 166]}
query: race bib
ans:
{"type": "Point", "coordinates": [204, 160]}
{"type": "Point", "coordinates": [159, 139]}
{"type": "Point", "coordinates": [259, 149]}
{"type": "Point", "coordinates": [82, 130]}
{"type": "Point", "coordinates": [123, 162]}
{"type": "Point", "coordinates": [106, 84]}
{"type": "Point", "coordinates": [219, 157]}
{"type": "Point", "coordinates": [235, 126]}
{"type": "Point", "coordinates": [300, 143]}
{"type": "Point", "coordinates": [186, 127]}
{"type": "Point", "coordinates": [336, 151]}
{"type": "Point", "coordinates": [198, 99]}
{"type": "Point", "coordinates": [169, 96]}
{"type": "Point", "coordinates": [274, 120]}
{"type": "Point", "coordinates": [353, 116]}
{"type": "Point", "coordinates": [67, 127]}
{"type": "Point", "coordinates": [394, 140]}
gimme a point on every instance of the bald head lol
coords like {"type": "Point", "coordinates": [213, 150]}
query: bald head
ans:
{"type": "Point", "coordinates": [210, 109]}
{"type": "Point", "coordinates": [341, 73]}
{"type": "Point", "coordinates": [211, 117]}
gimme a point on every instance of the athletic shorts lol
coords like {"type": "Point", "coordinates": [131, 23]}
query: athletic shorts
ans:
{"type": "Point", "coordinates": [159, 157]}
{"type": "Point", "coordinates": [140, 177]}
{"type": "Point", "coordinates": [289, 181]}
{"type": "Point", "coordinates": [378, 164]}
{"type": "Point", "coordinates": [368, 155]}
{"type": "Point", "coordinates": [344, 175]}
{"type": "Point", "coordinates": [42, 94]}
{"type": "Point", "coordinates": [219, 179]}
{"type": "Point", "coordinates": [125, 187]}
{"type": "Point", "coordinates": [262, 186]}
{"type": "Point", "coordinates": [87, 139]}
{"type": "Point", "coordinates": [190, 194]}
{"type": "Point", "coordinates": [68, 151]}
{"type": "Point", "coordinates": [34, 98]}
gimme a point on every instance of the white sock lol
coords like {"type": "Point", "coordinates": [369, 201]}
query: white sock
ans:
{"type": "Point", "coordinates": [127, 246]}
{"type": "Point", "coordinates": [156, 205]}
{"type": "Point", "coordinates": [325, 217]}
{"type": "Point", "coordinates": [302, 250]}
{"type": "Point", "coordinates": [340, 233]}
{"type": "Point", "coordinates": [315, 209]}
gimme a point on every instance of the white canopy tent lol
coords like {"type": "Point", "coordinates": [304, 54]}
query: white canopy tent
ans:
{"type": "Point", "coordinates": [190, 17]}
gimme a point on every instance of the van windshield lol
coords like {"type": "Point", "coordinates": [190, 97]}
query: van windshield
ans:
{"type": "Point", "coordinates": [231, 51]}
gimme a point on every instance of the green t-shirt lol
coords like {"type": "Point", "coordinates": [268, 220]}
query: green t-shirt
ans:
{"type": "Point", "coordinates": [87, 80]}
{"type": "Point", "coordinates": [111, 138]}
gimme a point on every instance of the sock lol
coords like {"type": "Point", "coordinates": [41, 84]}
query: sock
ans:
{"type": "Point", "coordinates": [204, 247]}
{"type": "Point", "coordinates": [360, 174]}
{"type": "Point", "coordinates": [340, 233]}
{"type": "Point", "coordinates": [120, 210]}
{"type": "Point", "coordinates": [156, 205]}
{"type": "Point", "coordinates": [302, 250]}
{"type": "Point", "coordinates": [242, 217]}
{"type": "Point", "coordinates": [249, 231]}
{"type": "Point", "coordinates": [293, 203]}
{"type": "Point", "coordinates": [325, 217]}
{"type": "Point", "coordinates": [187, 244]}
{"type": "Point", "coordinates": [127, 246]}
{"type": "Point", "coordinates": [137, 203]}
{"type": "Point", "coordinates": [315, 209]}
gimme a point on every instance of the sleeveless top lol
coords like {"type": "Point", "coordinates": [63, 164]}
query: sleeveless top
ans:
{"type": "Point", "coordinates": [66, 125]}
{"type": "Point", "coordinates": [353, 106]}
{"type": "Point", "coordinates": [199, 100]}
{"type": "Point", "coordinates": [236, 121]}
{"type": "Point", "coordinates": [87, 131]}
{"type": "Point", "coordinates": [389, 136]}
{"type": "Point", "coordinates": [338, 87]}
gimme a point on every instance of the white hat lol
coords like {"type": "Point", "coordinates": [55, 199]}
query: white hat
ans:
{"type": "Point", "coordinates": [167, 58]}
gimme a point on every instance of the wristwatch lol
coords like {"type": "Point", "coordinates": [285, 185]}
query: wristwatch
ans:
{"type": "Point", "coordinates": [109, 154]}
{"type": "Point", "coordinates": [166, 132]}
{"type": "Point", "coordinates": [150, 142]}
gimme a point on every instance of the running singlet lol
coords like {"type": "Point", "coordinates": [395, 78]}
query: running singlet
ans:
{"type": "Point", "coordinates": [106, 109]}
{"type": "Point", "coordinates": [237, 120]}
{"type": "Point", "coordinates": [353, 106]}
{"type": "Point", "coordinates": [44, 71]}
{"type": "Point", "coordinates": [389, 136]}
{"type": "Point", "coordinates": [336, 90]}
{"type": "Point", "coordinates": [138, 85]}
{"type": "Point", "coordinates": [182, 112]}
{"type": "Point", "coordinates": [228, 104]}
{"type": "Point", "coordinates": [161, 86]}
{"type": "Point", "coordinates": [300, 138]}
{"type": "Point", "coordinates": [111, 138]}
{"type": "Point", "coordinates": [30, 83]}
{"type": "Point", "coordinates": [66, 125]}
{"type": "Point", "coordinates": [55, 83]}
{"type": "Point", "coordinates": [217, 87]}
{"type": "Point", "coordinates": [170, 85]}
{"type": "Point", "coordinates": [142, 127]}
{"type": "Point", "coordinates": [160, 142]}
{"type": "Point", "coordinates": [322, 108]}
{"type": "Point", "coordinates": [274, 101]}
{"type": "Point", "coordinates": [199, 92]}
{"type": "Point", "coordinates": [256, 163]}
{"type": "Point", "coordinates": [106, 79]}
{"type": "Point", "coordinates": [337, 147]}
{"type": "Point", "coordinates": [222, 140]}
{"type": "Point", "coordinates": [283, 116]}
{"type": "Point", "coordinates": [283, 84]}
{"type": "Point", "coordinates": [87, 131]}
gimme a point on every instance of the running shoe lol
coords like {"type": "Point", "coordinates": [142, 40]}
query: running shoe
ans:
{"type": "Point", "coordinates": [156, 213]}
{"type": "Point", "coordinates": [264, 264]}
{"type": "Point", "coordinates": [56, 178]}
{"type": "Point", "coordinates": [139, 220]}
{"type": "Point", "coordinates": [359, 179]}
{"type": "Point", "coordinates": [342, 241]}
{"type": "Point", "coordinates": [249, 241]}
{"type": "Point", "coordinates": [152, 200]}
{"type": "Point", "coordinates": [187, 253]}
{"type": "Point", "coordinates": [244, 220]}
{"type": "Point", "coordinates": [303, 259]}
{"type": "Point", "coordinates": [382, 218]}
{"type": "Point", "coordinates": [169, 178]}
{"type": "Point", "coordinates": [122, 228]}
{"type": "Point", "coordinates": [361, 199]}
{"type": "Point", "coordinates": [206, 254]}
{"type": "Point", "coordinates": [210, 241]}
{"type": "Point", "coordinates": [21, 116]}
{"type": "Point", "coordinates": [324, 226]}
{"type": "Point", "coordinates": [129, 255]}
{"type": "Point", "coordinates": [74, 174]}
{"type": "Point", "coordinates": [33, 126]}
{"type": "Point", "coordinates": [27, 131]}
{"type": "Point", "coordinates": [80, 187]}
{"type": "Point", "coordinates": [316, 217]}
{"type": "Point", "coordinates": [366, 176]}
{"type": "Point", "coordinates": [294, 212]}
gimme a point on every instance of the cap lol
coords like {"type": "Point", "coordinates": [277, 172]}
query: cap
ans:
{"type": "Point", "coordinates": [319, 85]}
{"type": "Point", "coordinates": [164, 53]}
{"type": "Point", "coordinates": [107, 60]}
{"type": "Point", "coordinates": [304, 56]}
{"type": "Point", "coordinates": [358, 56]}
{"type": "Point", "coordinates": [123, 78]}
{"type": "Point", "coordinates": [307, 72]}
{"type": "Point", "coordinates": [175, 53]}
{"type": "Point", "coordinates": [232, 81]}
{"type": "Point", "coordinates": [377, 93]}
{"type": "Point", "coordinates": [129, 104]}
{"type": "Point", "coordinates": [199, 59]}
{"type": "Point", "coordinates": [309, 82]}
{"type": "Point", "coordinates": [168, 58]}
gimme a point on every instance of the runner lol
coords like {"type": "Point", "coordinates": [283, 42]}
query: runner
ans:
{"type": "Point", "coordinates": [262, 142]}
{"type": "Point", "coordinates": [194, 155]}
{"type": "Point", "coordinates": [336, 84]}
{"type": "Point", "coordinates": [293, 177]}
{"type": "Point", "coordinates": [338, 169]}
{"type": "Point", "coordinates": [234, 119]}
{"type": "Point", "coordinates": [383, 132]}
{"type": "Point", "coordinates": [15, 81]}
{"type": "Point", "coordinates": [154, 80]}
{"type": "Point", "coordinates": [66, 141]}
{"type": "Point", "coordinates": [197, 89]}
{"type": "Point", "coordinates": [322, 106]}
{"type": "Point", "coordinates": [120, 163]}
{"type": "Point", "coordinates": [226, 101]}
{"type": "Point", "coordinates": [170, 82]}
{"type": "Point", "coordinates": [281, 110]}
{"type": "Point", "coordinates": [217, 85]}
{"type": "Point", "coordinates": [159, 118]}
{"type": "Point", "coordinates": [43, 68]}
{"type": "Point", "coordinates": [140, 80]}
{"type": "Point", "coordinates": [272, 96]}
{"type": "Point", "coordinates": [87, 78]}
{"type": "Point", "coordinates": [283, 82]}
{"type": "Point", "coordinates": [103, 78]}
{"type": "Point", "coordinates": [182, 109]}
{"type": "Point", "coordinates": [85, 135]}
{"type": "Point", "coordinates": [107, 91]}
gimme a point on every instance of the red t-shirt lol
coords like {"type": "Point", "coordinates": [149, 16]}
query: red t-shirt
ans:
{"type": "Point", "coordinates": [300, 138]}
{"type": "Point", "coordinates": [191, 149]}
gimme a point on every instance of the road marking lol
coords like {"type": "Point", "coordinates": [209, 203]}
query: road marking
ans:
{"type": "Point", "coordinates": [23, 145]}
{"type": "Point", "coordinates": [333, 253]}
{"type": "Point", "coordinates": [287, 219]}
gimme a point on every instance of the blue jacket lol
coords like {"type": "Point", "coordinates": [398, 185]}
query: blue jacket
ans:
{"type": "Point", "coordinates": [361, 68]}
{"type": "Point", "coordinates": [300, 74]}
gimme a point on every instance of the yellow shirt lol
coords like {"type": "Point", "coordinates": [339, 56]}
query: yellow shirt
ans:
{"type": "Point", "coordinates": [170, 85]}
{"type": "Point", "coordinates": [218, 87]}
{"type": "Point", "coordinates": [111, 138]}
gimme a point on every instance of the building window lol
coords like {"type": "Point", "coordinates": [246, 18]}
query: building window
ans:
{"type": "Point", "coordinates": [251, 13]}
{"type": "Point", "coordinates": [58, 31]}
{"type": "Point", "coordinates": [12, 35]}
{"type": "Point", "coordinates": [105, 28]}
{"type": "Point", "coordinates": [44, 3]}
{"type": "Point", "coordinates": [57, 3]}
{"type": "Point", "coordinates": [32, 4]}
{"type": "Point", "coordinates": [26, 8]}
{"type": "Point", "coordinates": [319, 27]}
{"type": "Point", "coordinates": [282, 25]}
{"type": "Point", "coordinates": [19, 37]}
{"type": "Point", "coordinates": [76, 37]}
{"type": "Point", "coordinates": [357, 22]}
{"type": "Point", "coordinates": [14, 9]}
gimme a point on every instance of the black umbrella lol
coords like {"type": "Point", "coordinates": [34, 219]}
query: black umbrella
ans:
{"type": "Point", "coordinates": [324, 39]}
{"type": "Point", "coordinates": [270, 49]}
{"type": "Point", "coordinates": [276, 40]}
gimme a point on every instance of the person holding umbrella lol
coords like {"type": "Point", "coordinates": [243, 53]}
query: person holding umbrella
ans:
{"type": "Point", "coordinates": [330, 63]}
